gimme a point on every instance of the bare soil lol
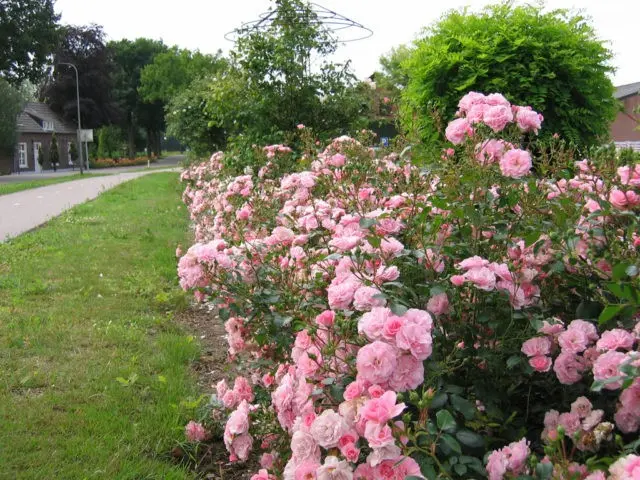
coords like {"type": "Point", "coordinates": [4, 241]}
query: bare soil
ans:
{"type": "Point", "coordinates": [211, 367]}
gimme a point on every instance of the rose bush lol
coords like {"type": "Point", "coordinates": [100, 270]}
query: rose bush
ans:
{"type": "Point", "coordinates": [398, 318]}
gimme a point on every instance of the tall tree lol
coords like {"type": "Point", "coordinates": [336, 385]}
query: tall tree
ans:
{"type": "Point", "coordinates": [85, 47]}
{"type": "Point", "coordinates": [130, 58]}
{"type": "Point", "coordinates": [172, 71]}
{"type": "Point", "coordinates": [12, 102]}
{"type": "Point", "coordinates": [28, 36]}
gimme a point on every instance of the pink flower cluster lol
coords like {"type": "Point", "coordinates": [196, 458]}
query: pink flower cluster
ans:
{"type": "Point", "coordinates": [511, 459]}
{"type": "Point", "coordinates": [582, 424]}
{"type": "Point", "coordinates": [496, 112]}
{"type": "Point", "coordinates": [582, 349]}
{"type": "Point", "coordinates": [518, 284]}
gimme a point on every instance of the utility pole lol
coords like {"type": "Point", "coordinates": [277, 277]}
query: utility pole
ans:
{"type": "Point", "coordinates": [79, 124]}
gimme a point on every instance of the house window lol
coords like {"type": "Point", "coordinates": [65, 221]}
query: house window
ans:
{"type": "Point", "coordinates": [47, 126]}
{"type": "Point", "coordinates": [22, 155]}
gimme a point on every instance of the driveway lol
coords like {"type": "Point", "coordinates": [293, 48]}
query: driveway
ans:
{"type": "Point", "coordinates": [28, 209]}
{"type": "Point", "coordinates": [167, 162]}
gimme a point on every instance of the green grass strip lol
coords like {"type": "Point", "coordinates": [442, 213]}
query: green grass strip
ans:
{"type": "Point", "coordinates": [94, 372]}
{"type": "Point", "coordinates": [12, 187]}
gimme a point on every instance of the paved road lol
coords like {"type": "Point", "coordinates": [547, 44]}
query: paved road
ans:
{"type": "Point", "coordinates": [167, 162]}
{"type": "Point", "coordinates": [23, 211]}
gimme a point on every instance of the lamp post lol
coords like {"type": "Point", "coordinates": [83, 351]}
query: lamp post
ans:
{"type": "Point", "coordinates": [79, 149]}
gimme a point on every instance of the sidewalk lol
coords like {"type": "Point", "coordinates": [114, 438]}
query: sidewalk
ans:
{"type": "Point", "coordinates": [23, 211]}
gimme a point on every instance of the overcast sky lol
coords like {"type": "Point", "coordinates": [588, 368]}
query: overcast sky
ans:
{"type": "Point", "coordinates": [201, 24]}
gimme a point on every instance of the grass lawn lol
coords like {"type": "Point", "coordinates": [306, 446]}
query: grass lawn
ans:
{"type": "Point", "coordinates": [94, 376]}
{"type": "Point", "coordinates": [13, 187]}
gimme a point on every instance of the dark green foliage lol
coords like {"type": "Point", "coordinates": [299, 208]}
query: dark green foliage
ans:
{"type": "Point", "coordinates": [552, 61]}
{"type": "Point", "coordinates": [54, 155]}
{"type": "Point", "coordinates": [73, 152]}
{"type": "Point", "coordinates": [83, 46]}
{"type": "Point", "coordinates": [41, 155]}
{"type": "Point", "coordinates": [28, 35]}
{"type": "Point", "coordinates": [11, 101]}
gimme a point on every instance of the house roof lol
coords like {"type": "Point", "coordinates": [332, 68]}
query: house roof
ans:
{"type": "Point", "coordinates": [34, 113]}
{"type": "Point", "coordinates": [627, 90]}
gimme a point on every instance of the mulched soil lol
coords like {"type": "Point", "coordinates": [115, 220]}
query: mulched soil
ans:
{"type": "Point", "coordinates": [212, 366]}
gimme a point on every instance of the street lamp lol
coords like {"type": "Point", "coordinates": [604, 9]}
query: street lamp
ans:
{"type": "Point", "coordinates": [79, 149]}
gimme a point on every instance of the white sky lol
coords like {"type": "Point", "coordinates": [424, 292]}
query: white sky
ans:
{"type": "Point", "coordinates": [201, 24]}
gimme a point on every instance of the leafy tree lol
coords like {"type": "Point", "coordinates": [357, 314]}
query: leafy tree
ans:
{"type": "Point", "coordinates": [12, 103]}
{"type": "Point", "coordinates": [281, 78]}
{"type": "Point", "coordinates": [172, 71]}
{"type": "Point", "coordinates": [549, 60]}
{"type": "Point", "coordinates": [54, 155]}
{"type": "Point", "coordinates": [73, 152]}
{"type": "Point", "coordinates": [393, 75]}
{"type": "Point", "coordinates": [189, 121]}
{"type": "Point", "coordinates": [28, 36]}
{"type": "Point", "coordinates": [83, 46]}
{"type": "Point", "coordinates": [110, 141]}
{"type": "Point", "coordinates": [131, 57]}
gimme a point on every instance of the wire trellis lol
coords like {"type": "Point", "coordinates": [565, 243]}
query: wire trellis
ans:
{"type": "Point", "coordinates": [341, 28]}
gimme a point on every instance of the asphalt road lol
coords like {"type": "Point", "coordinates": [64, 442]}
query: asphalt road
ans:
{"type": "Point", "coordinates": [167, 162]}
{"type": "Point", "coordinates": [28, 209]}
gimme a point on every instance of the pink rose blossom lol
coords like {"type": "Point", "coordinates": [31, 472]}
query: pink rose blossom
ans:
{"type": "Point", "coordinates": [626, 468]}
{"type": "Point", "coordinates": [327, 428]}
{"type": "Point", "coordinates": [515, 163]}
{"type": "Point", "coordinates": [195, 432]}
{"type": "Point", "coordinates": [615, 339]}
{"type": "Point", "coordinates": [365, 299]}
{"type": "Point", "coordinates": [438, 304]}
{"type": "Point", "coordinates": [497, 117]}
{"type": "Point", "coordinates": [304, 447]}
{"type": "Point", "coordinates": [573, 340]}
{"type": "Point", "coordinates": [582, 406]}
{"type": "Point", "coordinates": [540, 363]}
{"type": "Point", "coordinates": [570, 422]}
{"type": "Point", "coordinates": [457, 130]}
{"type": "Point", "coordinates": [528, 120]}
{"type": "Point", "coordinates": [335, 469]}
{"type": "Point", "coordinates": [536, 346]}
{"type": "Point", "coordinates": [568, 368]}
{"type": "Point", "coordinates": [607, 366]}
{"type": "Point", "coordinates": [383, 409]}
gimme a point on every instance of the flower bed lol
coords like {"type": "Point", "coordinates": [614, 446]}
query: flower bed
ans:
{"type": "Point", "coordinates": [463, 319]}
{"type": "Point", "coordinates": [122, 162]}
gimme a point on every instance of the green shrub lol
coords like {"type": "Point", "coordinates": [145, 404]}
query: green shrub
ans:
{"type": "Point", "coordinates": [551, 61]}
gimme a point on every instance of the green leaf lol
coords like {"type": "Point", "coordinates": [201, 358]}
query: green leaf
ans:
{"type": "Point", "coordinates": [470, 439]}
{"type": "Point", "coordinates": [445, 420]}
{"type": "Point", "coordinates": [544, 470]}
{"type": "Point", "coordinates": [367, 223]}
{"type": "Point", "coordinates": [513, 361]}
{"type": "Point", "coordinates": [619, 271]}
{"type": "Point", "coordinates": [398, 309]}
{"type": "Point", "coordinates": [451, 442]}
{"type": "Point", "coordinates": [439, 400]}
{"type": "Point", "coordinates": [609, 312]}
{"type": "Point", "coordinates": [588, 310]}
{"type": "Point", "coordinates": [460, 468]}
{"type": "Point", "coordinates": [464, 406]}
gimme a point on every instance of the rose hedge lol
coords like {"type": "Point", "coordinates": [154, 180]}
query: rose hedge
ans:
{"type": "Point", "coordinates": [471, 317]}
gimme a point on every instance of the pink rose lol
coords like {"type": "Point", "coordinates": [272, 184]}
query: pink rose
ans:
{"type": "Point", "coordinates": [618, 199]}
{"type": "Point", "coordinates": [497, 117]}
{"type": "Point", "coordinates": [568, 368]}
{"type": "Point", "coordinates": [262, 474]}
{"type": "Point", "coordinates": [540, 363]}
{"type": "Point", "coordinates": [337, 160]}
{"type": "Point", "coordinates": [490, 151]}
{"type": "Point", "coordinates": [536, 346]}
{"type": "Point", "coordinates": [570, 422]}
{"type": "Point", "coordinates": [340, 295]}
{"type": "Point", "coordinates": [469, 100]}
{"type": "Point", "coordinates": [528, 120]}
{"type": "Point", "coordinates": [625, 468]}
{"type": "Point", "coordinates": [378, 434]}
{"type": "Point", "coordinates": [391, 246]}
{"type": "Point", "coordinates": [415, 339]}
{"type": "Point", "coordinates": [615, 339]}
{"type": "Point", "coordinates": [238, 421]}
{"type": "Point", "coordinates": [372, 323]}
{"type": "Point", "coordinates": [607, 366]}
{"type": "Point", "coordinates": [457, 130]}
{"type": "Point", "coordinates": [516, 163]}
{"type": "Point", "coordinates": [382, 409]}
{"type": "Point", "coordinates": [334, 469]}
{"type": "Point", "coordinates": [304, 447]}
{"type": "Point", "coordinates": [438, 304]}
{"type": "Point", "coordinates": [582, 406]}
{"type": "Point", "coordinates": [326, 318]}
{"type": "Point", "coordinates": [483, 278]}
{"type": "Point", "coordinates": [195, 432]}
{"type": "Point", "coordinates": [457, 280]}
{"type": "Point", "coordinates": [328, 428]}
{"type": "Point", "coordinates": [409, 374]}
{"type": "Point", "coordinates": [354, 390]}
{"type": "Point", "coordinates": [376, 362]}
{"type": "Point", "coordinates": [587, 327]}
{"type": "Point", "coordinates": [573, 340]}
{"type": "Point", "coordinates": [365, 298]}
